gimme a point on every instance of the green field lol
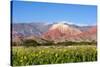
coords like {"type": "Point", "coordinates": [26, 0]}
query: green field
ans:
{"type": "Point", "coordinates": [52, 54]}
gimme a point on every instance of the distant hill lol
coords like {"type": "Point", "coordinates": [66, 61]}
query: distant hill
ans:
{"type": "Point", "coordinates": [53, 32]}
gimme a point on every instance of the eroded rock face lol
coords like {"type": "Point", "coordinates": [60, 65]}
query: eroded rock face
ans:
{"type": "Point", "coordinates": [61, 31]}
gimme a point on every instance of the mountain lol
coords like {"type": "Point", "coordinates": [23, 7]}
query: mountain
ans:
{"type": "Point", "coordinates": [59, 31]}
{"type": "Point", "coordinates": [27, 29]}
{"type": "Point", "coordinates": [17, 37]}
{"type": "Point", "coordinates": [89, 35]}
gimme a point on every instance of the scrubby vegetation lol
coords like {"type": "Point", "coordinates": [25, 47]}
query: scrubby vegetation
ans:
{"type": "Point", "coordinates": [52, 55]}
{"type": "Point", "coordinates": [31, 52]}
{"type": "Point", "coordinates": [51, 43]}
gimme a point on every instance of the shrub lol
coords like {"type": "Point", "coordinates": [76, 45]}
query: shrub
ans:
{"type": "Point", "coordinates": [30, 43]}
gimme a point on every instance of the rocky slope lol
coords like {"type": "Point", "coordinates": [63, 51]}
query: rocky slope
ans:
{"type": "Point", "coordinates": [54, 32]}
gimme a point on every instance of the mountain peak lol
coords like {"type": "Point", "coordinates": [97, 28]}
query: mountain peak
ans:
{"type": "Point", "coordinates": [60, 31]}
{"type": "Point", "coordinates": [59, 26]}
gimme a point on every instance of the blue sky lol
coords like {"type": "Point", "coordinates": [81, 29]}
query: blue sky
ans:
{"type": "Point", "coordinates": [26, 12]}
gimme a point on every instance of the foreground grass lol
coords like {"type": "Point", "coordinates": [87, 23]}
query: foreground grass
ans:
{"type": "Point", "coordinates": [52, 54]}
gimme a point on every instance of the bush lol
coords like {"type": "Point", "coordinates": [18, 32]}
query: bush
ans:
{"type": "Point", "coordinates": [48, 43]}
{"type": "Point", "coordinates": [71, 43]}
{"type": "Point", "coordinates": [16, 44]}
{"type": "Point", "coordinates": [30, 43]}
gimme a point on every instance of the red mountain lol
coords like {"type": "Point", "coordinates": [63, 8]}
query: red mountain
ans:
{"type": "Point", "coordinates": [61, 32]}
{"type": "Point", "coordinates": [89, 35]}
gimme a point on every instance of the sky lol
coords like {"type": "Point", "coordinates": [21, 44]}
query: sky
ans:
{"type": "Point", "coordinates": [26, 12]}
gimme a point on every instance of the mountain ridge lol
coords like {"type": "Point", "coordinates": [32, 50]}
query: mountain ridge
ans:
{"type": "Point", "coordinates": [56, 32]}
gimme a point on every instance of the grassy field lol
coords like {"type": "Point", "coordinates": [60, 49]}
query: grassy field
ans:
{"type": "Point", "coordinates": [52, 54]}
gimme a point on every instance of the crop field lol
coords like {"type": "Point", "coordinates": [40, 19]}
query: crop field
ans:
{"type": "Point", "coordinates": [52, 54]}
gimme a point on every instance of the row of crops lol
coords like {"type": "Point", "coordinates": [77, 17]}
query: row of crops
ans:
{"type": "Point", "coordinates": [52, 55]}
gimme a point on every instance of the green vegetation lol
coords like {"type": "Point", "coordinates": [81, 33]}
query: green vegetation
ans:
{"type": "Point", "coordinates": [30, 43]}
{"type": "Point", "coordinates": [69, 43]}
{"type": "Point", "coordinates": [52, 54]}
{"type": "Point", "coordinates": [34, 43]}
{"type": "Point", "coordinates": [31, 52]}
